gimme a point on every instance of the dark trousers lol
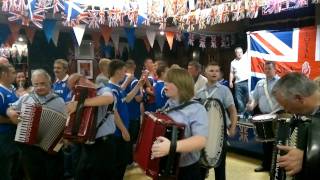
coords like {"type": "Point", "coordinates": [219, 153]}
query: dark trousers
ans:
{"type": "Point", "coordinates": [134, 128]}
{"type": "Point", "coordinates": [219, 171]}
{"type": "Point", "coordinates": [123, 156]}
{"type": "Point", "coordinates": [241, 95]}
{"type": "Point", "coordinates": [191, 172]}
{"type": "Point", "coordinates": [267, 156]}
{"type": "Point", "coordinates": [97, 161]}
{"type": "Point", "coordinates": [10, 155]}
{"type": "Point", "coordinates": [71, 156]}
{"type": "Point", "coordinates": [39, 165]}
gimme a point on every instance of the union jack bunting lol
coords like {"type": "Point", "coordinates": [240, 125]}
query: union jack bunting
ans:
{"type": "Point", "coordinates": [296, 49]}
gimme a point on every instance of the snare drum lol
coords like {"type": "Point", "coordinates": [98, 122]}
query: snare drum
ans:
{"type": "Point", "coordinates": [264, 127]}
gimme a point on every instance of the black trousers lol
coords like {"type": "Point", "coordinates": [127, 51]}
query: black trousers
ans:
{"type": "Point", "coordinates": [39, 165]}
{"type": "Point", "coordinates": [123, 156]}
{"type": "Point", "coordinates": [134, 128]}
{"type": "Point", "coordinates": [191, 172]}
{"type": "Point", "coordinates": [97, 161]}
{"type": "Point", "coordinates": [10, 157]}
{"type": "Point", "coordinates": [267, 155]}
{"type": "Point", "coordinates": [219, 171]}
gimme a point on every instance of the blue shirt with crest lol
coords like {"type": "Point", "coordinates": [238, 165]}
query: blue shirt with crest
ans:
{"type": "Point", "coordinates": [7, 97]}
{"type": "Point", "coordinates": [160, 95]}
{"type": "Point", "coordinates": [120, 105]}
{"type": "Point", "coordinates": [133, 105]}
{"type": "Point", "coordinates": [60, 88]}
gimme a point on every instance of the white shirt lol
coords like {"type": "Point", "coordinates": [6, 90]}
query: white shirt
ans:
{"type": "Point", "coordinates": [201, 82]}
{"type": "Point", "coordinates": [241, 68]}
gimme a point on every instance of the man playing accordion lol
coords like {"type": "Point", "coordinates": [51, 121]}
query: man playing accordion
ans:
{"type": "Point", "coordinates": [299, 95]}
{"type": "Point", "coordinates": [37, 162]}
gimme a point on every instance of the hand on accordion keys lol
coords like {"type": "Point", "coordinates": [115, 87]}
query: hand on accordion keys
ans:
{"type": "Point", "coordinates": [292, 161]}
{"type": "Point", "coordinates": [160, 147]}
{"type": "Point", "coordinates": [13, 115]}
{"type": "Point", "coordinates": [72, 107]}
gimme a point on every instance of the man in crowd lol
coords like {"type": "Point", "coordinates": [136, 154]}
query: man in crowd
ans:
{"type": "Point", "coordinates": [37, 163]}
{"type": "Point", "coordinates": [238, 78]}
{"type": "Point", "coordinates": [60, 69]}
{"type": "Point", "coordinates": [9, 152]}
{"type": "Point", "coordinates": [194, 69]}
{"type": "Point", "coordinates": [263, 97]}
{"type": "Point", "coordinates": [299, 95]}
{"type": "Point", "coordinates": [103, 78]}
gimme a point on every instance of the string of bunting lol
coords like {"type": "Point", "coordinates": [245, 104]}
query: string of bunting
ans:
{"type": "Point", "coordinates": [186, 14]}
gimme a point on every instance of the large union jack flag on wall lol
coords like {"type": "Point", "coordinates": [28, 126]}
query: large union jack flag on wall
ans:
{"type": "Point", "coordinates": [297, 49]}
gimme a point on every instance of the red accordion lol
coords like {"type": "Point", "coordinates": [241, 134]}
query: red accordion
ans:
{"type": "Point", "coordinates": [40, 126]}
{"type": "Point", "coordinates": [81, 125]}
{"type": "Point", "coordinates": [155, 125]}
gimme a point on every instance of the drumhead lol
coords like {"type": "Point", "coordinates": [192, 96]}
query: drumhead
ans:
{"type": "Point", "coordinates": [264, 117]}
{"type": "Point", "coordinates": [211, 155]}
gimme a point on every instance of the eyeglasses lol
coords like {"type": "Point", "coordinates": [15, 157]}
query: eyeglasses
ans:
{"type": "Point", "coordinates": [41, 84]}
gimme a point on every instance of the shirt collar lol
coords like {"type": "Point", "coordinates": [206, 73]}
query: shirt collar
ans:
{"type": "Point", "coordinates": [10, 90]}
{"type": "Point", "coordinates": [110, 82]}
{"type": "Point", "coordinates": [64, 79]}
{"type": "Point", "coordinates": [217, 84]}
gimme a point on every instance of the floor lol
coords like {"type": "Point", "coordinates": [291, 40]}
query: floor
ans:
{"type": "Point", "coordinates": [238, 168]}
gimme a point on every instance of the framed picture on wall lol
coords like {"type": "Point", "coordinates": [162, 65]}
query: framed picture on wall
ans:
{"type": "Point", "coordinates": [85, 67]}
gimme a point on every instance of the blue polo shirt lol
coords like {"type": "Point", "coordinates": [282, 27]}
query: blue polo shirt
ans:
{"type": "Point", "coordinates": [7, 97]}
{"type": "Point", "coordinates": [120, 105]}
{"type": "Point", "coordinates": [160, 95]}
{"type": "Point", "coordinates": [61, 89]}
{"type": "Point", "coordinates": [133, 105]}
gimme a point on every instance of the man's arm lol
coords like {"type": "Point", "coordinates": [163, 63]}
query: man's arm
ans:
{"type": "Point", "coordinates": [233, 118]}
{"type": "Point", "coordinates": [121, 126]}
{"type": "Point", "coordinates": [134, 91]}
{"type": "Point", "coordinates": [231, 77]}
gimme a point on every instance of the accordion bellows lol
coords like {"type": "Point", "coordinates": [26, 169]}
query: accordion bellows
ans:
{"type": "Point", "coordinates": [40, 126]}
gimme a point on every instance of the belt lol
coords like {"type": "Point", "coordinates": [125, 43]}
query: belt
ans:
{"type": "Point", "coordinates": [104, 138]}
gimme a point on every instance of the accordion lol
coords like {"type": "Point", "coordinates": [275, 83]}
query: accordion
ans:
{"type": "Point", "coordinates": [155, 125]}
{"type": "Point", "coordinates": [81, 125]}
{"type": "Point", "coordinates": [291, 131]}
{"type": "Point", "coordinates": [40, 126]}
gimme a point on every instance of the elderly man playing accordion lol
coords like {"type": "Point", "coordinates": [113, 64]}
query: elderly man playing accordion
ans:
{"type": "Point", "coordinates": [40, 159]}
{"type": "Point", "coordinates": [299, 95]}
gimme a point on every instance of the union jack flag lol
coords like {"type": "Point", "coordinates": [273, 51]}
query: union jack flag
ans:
{"type": "Point", "coordinates": [293, 50]}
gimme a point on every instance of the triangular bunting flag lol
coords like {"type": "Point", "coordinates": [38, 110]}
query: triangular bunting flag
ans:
{"type": "Point", "coordinates": [4, 33]}
{"type": "Point", "coordinates": [55, 36]}
{"type": "Point", "coordinates": [78, 32]}
{"type": "Point", "coordinates": [131, 36]}
{"type": "Point", "coordinates": [48, 28]}
{"type": "Point", "coordinates": [146, 43]}
{"type": "Point", "coordinates": [170, 36]}
{"type": "Point", "coordinates": [160, 42]}
{"type": "Point", "coordinates": [96, 39]}
{"type": "Point", "coordinates": [30, 33]}
{"type": "Point", "coordinates": [115, 39]}
{"type": "Point", "coordinates": [14, 27]}
{"type": "Point", "coordinates": [151, 35]}
{"type": "Point", "coordinates": [106, 32]}
{"type": "Point", "coordinates": [122, 45]}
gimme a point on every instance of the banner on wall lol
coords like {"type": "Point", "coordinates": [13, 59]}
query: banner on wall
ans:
{"type": "Point", "coordinates": [292, 50]}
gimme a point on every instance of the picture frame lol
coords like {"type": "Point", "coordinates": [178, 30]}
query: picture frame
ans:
{"type": "Point", "coordinates": [85, 67]}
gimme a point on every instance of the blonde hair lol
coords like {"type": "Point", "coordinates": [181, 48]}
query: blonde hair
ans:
{"type": "Point", "coordinates": [184, 83]}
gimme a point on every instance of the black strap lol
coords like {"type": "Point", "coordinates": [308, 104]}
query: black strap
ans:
{"type": "Point", "coordinates": [183, 105]}
{"type": "Point", "coordinates": [79, 110]}
{"type": "Point", "coordinates": [109, 111]}
{"type": "Point", "coordinates": [172, 152]}
{"type": "Point", "coordinates": [37, 101]}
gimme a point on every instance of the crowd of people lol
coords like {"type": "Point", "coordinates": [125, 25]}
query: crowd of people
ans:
{"type": "Point", "coordinates": [121, 101]}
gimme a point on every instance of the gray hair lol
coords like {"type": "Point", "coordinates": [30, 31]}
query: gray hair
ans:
{"type": "Point", "coordinates": [195, 64]}
{"type": "Point", "coordinates": [41, 72]}
{"type": "Point", "coordinates": [63, 62]}
{"type": "Point", "coordinates": [238, 48]}
{"type": "Point", "coordinates": [293, 84]}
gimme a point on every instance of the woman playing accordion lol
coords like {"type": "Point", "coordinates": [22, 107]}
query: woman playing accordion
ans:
{"type": "Point", "coordinates": [179, 87]}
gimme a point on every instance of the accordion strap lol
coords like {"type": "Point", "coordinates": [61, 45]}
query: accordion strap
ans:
{"type": "Point", "coordinates": [37, 101]}
{"type": "Point", "coordinates": [183, 105]}
{"type": "Point", "coordinates": [172, 151]}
